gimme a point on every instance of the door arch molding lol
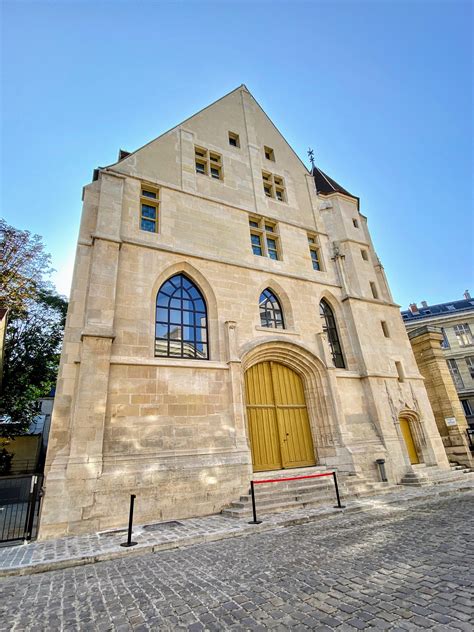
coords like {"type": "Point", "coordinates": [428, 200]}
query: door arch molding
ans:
{"type": "Point", "coordinates": [317, 391]}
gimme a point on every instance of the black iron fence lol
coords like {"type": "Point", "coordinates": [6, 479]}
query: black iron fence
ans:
{"type": "Point", "coordinates": [19, 507]}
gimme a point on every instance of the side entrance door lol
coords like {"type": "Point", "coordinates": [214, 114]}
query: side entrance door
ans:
{"type": "Point", "coordinates": [280, 435]}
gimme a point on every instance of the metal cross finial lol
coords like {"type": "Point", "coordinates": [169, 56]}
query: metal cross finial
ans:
{"type": "Point", "coordinates": [311, 157]}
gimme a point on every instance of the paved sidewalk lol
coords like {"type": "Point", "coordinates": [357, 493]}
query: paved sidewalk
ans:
{"type": "Point", "coordinates": [38, 557]}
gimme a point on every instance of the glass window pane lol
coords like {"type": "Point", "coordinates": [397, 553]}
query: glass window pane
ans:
{"type": "Point", "coordinates": [253, 223]}
{"type": "Point", "coordinates": [257, 250]}
{"type": "Point", "coordinates": [255, 239]}
{"type": "Point", "coordinates": [162, 315]}
{"type": "Point", "coordinates": [200, 319]}
{"type": "Point", "coordinates": [273, 254]}
{"type": "Point", "coordinates": [161, 347]}
{"type": "Point", "coordinates": [271, 243]}
{"type": "Point", "coordinates": [175, 303]}
{"type": "Point", "coordinates": [148, 225]}
{"type": "Point", "coordinates": [148, 211]}
{"type": "Point", "coordinates": [149, 194]}
{"type": "Point", "coordinates": [175, 316]}
{"type": "Point", "coordinates": [161, 330]}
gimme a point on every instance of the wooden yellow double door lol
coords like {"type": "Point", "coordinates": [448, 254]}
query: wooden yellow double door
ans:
{"type": "Point", "coordinates": [280, 434]}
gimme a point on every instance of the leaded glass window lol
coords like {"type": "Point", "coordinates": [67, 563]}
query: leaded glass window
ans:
{"type": "Point", "coordinates": [181, 320]}
{"type": "Point", "coordinates": [330, 329]}
{"type": "Point", "coordinates": [271, 314]}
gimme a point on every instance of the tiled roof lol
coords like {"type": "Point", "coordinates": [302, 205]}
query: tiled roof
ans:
{"type": "Point", "coordinates": [438, 310]}
{"type": "Point", "coordinates": [326, 185]}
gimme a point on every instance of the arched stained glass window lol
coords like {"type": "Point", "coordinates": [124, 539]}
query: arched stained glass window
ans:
{"type": "Point", "coordinates": [330, 328]}
{"type": "Point", "coordinates": [271, 314]}
{"type": "Point", "coordinates": [181, 320]}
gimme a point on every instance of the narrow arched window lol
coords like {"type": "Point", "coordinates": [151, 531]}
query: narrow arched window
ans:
{"type": "Point", "coordinates": [181, 320]}
{"type": "Point", "coordinates": [330, 328]}
{"type": "Point", "coordinates": [271, 314]}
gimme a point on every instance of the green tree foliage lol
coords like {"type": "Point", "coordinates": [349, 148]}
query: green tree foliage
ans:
{"type": "Point", "coordinates": [35, 328]}
{"type": "Point", "coordinates": [24, 267]}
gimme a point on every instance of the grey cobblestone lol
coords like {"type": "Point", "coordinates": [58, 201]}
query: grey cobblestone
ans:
{"type": "Point", "coordinates": [383, 570]}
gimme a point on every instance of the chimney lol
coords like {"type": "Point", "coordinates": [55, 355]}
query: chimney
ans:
{"type": "Point", "coordinates": [467, 296]}
{"type": "Point", "coordinates": [413, 307]}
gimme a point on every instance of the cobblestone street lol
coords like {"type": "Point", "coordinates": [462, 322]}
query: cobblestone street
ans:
{"type": "Point", "coordinates": [399, 568]}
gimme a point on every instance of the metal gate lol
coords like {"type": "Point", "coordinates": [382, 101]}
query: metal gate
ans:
{"type": "Point", "coordinates": [19, 507]}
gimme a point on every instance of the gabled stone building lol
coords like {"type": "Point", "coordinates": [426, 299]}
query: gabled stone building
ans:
{"type": "Point", "coordinates": [228, 314]}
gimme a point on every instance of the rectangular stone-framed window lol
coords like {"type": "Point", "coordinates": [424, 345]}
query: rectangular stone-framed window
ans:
{"type": "Point", "coordinates": [269, 153]}
{"type": "Point", "coordinates": [385, 330]}
{"type": "Point", "coordinates": [364, 254]}
{"type": "Point", "coordinates": [445, 341]}
{"type": "Point", "coordinates": [464, 335]}
{"type": "Point", "coordinates": [274, 186]}
{"type": "Point", "coordinates": [455, 374]}
{"type": "Point", "coordinates": [264, 237]}
{"type": "Point", "coordinates": [234, 140]}
{"type": "Point", "coordinates": [149, 208]}
{"type": "Point", "coordinates": [315, 252]}
{"type": "Point", "coordinates": [470, 366]}
{"type": "Point", "coordinates": [208, 163]}
{"type": "Point", "coordinates": [373, 289]}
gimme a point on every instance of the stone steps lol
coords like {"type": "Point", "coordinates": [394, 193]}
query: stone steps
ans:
{"type": "Point", "coordinates": [299, 494]}
{"type": "Point", "coordinates": [423, 476]}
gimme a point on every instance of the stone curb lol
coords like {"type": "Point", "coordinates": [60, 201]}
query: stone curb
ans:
{"type": "Point", "coordinates": [367, 504]}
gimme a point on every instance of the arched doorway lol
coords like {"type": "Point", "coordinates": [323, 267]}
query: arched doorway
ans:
{"type": "Point", "coordinates": [409, 441]}
{"type": "Point", "coordinates": [279, 430]}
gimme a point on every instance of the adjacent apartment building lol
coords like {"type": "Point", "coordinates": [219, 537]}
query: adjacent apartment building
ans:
{"type": "Point", "coordinates": [456, 322]}
{"type": "Point", "coordinates": [228, 315]}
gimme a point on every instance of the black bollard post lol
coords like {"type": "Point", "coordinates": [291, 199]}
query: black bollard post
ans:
{"type": "Point", "coordinates": [338, 506]}
{"type": "Point", "coordinates": [254, 521]}
{"type": "Point", "coordinates": [130, 523]}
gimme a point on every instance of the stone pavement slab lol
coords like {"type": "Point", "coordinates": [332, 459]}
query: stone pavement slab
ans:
{"type": "Point", "coordinates": [38, 557]}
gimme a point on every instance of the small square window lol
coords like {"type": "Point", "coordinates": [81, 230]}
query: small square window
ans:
{"type": "Point", "coordinates": [234, 140]}
{"type": "Point", "coordinates": [200, 168]}
{"type": "Point", "coordinates": [268, 190]}
{"type": "Point", "coordinates": [269, 153]}
{"type": "Point", "coordinates": [314, 252]}
{"type": "Point", "coordinates": [215, 172]}
{"type": "Point", "coordinates": [386, 333]}
{"type": "Point", "coordinates": [365, 255]}
{"type": "Point", "coordinates": [355, 223]}
{"type": "Point", "coordinates": [149, 194]}
{"type": "Point", "coordinates": [373, 289]}
{"type": "Point", "coordinates": [279, 195]}
{"type": "Point", "coordinates": [253, 223]}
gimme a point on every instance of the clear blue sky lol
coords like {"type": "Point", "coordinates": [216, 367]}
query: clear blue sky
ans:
{"type": "Point", "coordinates": [381, 90]}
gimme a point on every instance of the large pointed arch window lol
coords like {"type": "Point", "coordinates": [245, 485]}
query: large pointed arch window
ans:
{"type": "Point", "coordinates": [330, 328]}
{"type": "Point", "coordinates": [181, 320]}
{"type": "Point", "coordinates": [271, 314]}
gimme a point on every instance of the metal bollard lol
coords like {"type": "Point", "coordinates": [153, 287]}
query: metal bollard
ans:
{"type": "Point", "coordinates": [130, 523]}
{"type": "Point", "coordinates": [254, 521]}
{"type": "Point", "coordinates": [338, 506]}
{"type": "Point", "coordinates": [383, 473]}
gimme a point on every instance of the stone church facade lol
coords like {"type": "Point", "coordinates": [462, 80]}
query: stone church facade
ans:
{"type": "Point", "coordinates": [228, 314]}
